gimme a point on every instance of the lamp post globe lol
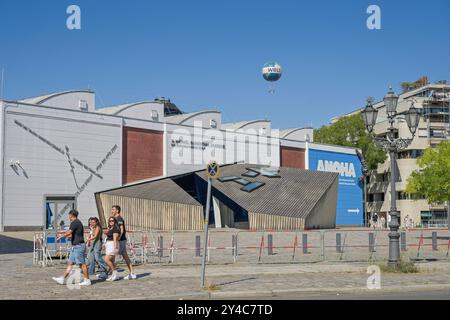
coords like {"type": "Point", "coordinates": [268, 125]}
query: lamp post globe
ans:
{"type": "Point", "coordinates": [390, 102]}
{"type": "Point", "coordinates": [369, 115]}
{"type": "Point", "coordinates": [412, 117]}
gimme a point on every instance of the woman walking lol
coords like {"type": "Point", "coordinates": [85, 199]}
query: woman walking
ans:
{"type": "Point", "coordinates": [95, 249]}
{"type": "Point", "coordinates": [112, 247]}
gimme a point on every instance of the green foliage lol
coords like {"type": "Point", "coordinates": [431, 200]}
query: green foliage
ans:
{"type": "Point", "coordinates": [402, 267]}
{"type": "Point", "coordinates": [351, 132]}
{"type": "Point", "coordinates": [432, 181]}
{"type": "Point", "coordinates": [407, 86]}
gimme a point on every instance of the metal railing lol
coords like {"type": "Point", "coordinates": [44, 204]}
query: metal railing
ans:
{"type": "Point", "coordinates": [269, 246]}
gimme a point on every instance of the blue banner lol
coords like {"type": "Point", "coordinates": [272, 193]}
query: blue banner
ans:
{"type": "Point", "coordinates": [349, 209]}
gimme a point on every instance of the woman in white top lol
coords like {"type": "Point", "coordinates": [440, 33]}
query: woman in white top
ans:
{"type": "Point", "coordinates": [112, 246]}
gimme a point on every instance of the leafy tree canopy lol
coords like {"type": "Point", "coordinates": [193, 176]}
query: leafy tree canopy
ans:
{"type": "Point", "coordinates": [350, 131]}
{"type": "Point", "coordinates": [432, 181]}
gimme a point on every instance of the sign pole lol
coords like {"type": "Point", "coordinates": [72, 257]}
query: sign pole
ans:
{"type": "Point", "coordinates": [206, 222]}
{"type": "Point", "coordinates": [212, 171]}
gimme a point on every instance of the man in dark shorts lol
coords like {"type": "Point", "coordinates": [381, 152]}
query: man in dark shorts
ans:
{"type": "Point", "coordinates": [78, 249]}
{"type": "Point", "coordinates": [115, 211]}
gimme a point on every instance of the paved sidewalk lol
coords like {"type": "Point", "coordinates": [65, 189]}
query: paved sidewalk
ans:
{"type": "Point", "coordinates": [21, 280]}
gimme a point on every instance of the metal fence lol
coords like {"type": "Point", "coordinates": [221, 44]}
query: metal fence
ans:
{"type": "Point", "coordinates": [246, 246]}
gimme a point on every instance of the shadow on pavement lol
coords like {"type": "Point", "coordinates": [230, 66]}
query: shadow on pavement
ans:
{"type": "Point", "coordinates": [235, 281]}
{"type": "Point", "coordinates": [13, 245]}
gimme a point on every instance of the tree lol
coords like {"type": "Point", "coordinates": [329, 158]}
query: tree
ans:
{"type": "Point", "coordinates": [422, 81]}
{"type": "Point", "coordinates": [350, 131]}
{"type": "Point", "coordinates": [432, 181]}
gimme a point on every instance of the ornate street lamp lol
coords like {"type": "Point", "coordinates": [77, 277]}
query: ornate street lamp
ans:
{"type": "Point", "coordinates": [369, 115]}
{"type": "Point", "coordinates": [390, 102]}
{"type": "Point", "coordinates": [412, 117]}
{"type": "Point", "coordinates": [393, 146]}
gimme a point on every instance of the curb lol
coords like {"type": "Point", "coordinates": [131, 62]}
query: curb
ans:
{"type": "Point", "coordinates": [272, 293]}
{"type": "Point", "coordinates": [202, 295]}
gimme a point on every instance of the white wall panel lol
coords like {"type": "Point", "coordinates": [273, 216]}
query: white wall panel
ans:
{"type": "Point", "coordinates": [84, 137]}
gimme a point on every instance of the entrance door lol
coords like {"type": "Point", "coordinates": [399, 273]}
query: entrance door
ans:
{"type": "Point", "coordinates": [57, 210]}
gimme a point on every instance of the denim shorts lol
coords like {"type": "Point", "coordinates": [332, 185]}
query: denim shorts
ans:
{"type": "Point", "coordinates": [122, 247]}
{"type": "Point", "coordinates": [77, 254]}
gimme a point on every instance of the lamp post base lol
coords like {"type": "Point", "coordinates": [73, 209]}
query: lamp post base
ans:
{"type": "Point", "coordinates": [394, 240]}
{"type": "Point", "coordinates": [394, 249]}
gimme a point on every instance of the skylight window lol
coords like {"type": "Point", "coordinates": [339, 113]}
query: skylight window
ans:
{"type": "Point", "coordinates": [228, 178]}
{"type": "Point", "coordinates": [242, 181]}
{"type": "Point", "coordinates": [267, 172]}
{"type": "Point", "coordinates": [252, 186]}
{"type": "Point", "coordinates": [250, 173]}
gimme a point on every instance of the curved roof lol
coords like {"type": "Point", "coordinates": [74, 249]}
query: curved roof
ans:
{"type": "Point", "coordinates": [42, 99]}
{"type": "Point", "coordinates": [241, 124]}
{"type": "Point", "coordinates": [295, 193]}
{"type": "Point", "coordinates": [181, 118]}
{"type": "Point", "coordinates": [284, 133]}
{"type": "Point", "coordinates": [159, 190]}
{"type": "Point", "coordinates": [114, 110]}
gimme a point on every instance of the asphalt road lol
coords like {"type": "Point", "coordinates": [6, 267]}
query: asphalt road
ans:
{"type": "Point", "coordinates": [376, 295]}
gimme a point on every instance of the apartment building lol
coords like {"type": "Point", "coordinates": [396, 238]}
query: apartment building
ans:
{"type": "Point", "coordinates": [432, 100]}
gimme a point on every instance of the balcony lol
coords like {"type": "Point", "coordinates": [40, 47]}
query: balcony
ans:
{"type": "Point", "coordinates": [375, 206]}
{"type": "Point", "coordinates": [378, 187]}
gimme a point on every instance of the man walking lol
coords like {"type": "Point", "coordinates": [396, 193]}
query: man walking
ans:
{"type": "Point", "coordinates": [115, 210]}
{"type": "Point", "coordinates": [375, 220]}
{"type": "Point", "coordinates": [78, 249]}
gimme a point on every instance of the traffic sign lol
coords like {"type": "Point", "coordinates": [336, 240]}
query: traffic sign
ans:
{"type": "Point", "coordinates": [212, 169]}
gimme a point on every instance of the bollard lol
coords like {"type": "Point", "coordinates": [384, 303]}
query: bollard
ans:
{"type": "Point", "coordinates": [371, 242]}
{"type": "Point", "coordinates": [434, 240]}
{"type": "Point", "coordinates": [197, 246]}
{"type": "Point", "coordinates": [338, 243]}
{"type": "Point", "coordinates": [161, 246]}
{"type": "Point", "coordinates": [305, 243]}
{"type": "Point", "coordinates": [269, 244]}
{"type": "Point", "coordinates": [233, 245]}
{"type": "Point", "coordinates": [322, 245]}
{"type": "Point", "coordinates": [403, 241]}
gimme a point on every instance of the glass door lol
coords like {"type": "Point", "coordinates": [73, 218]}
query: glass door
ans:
{"type": "Point", "coordinates": [57, 211]}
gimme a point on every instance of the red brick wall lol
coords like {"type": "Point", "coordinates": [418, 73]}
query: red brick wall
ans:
{"type": "Point", "coordinates": [292, 157]}
{"type": "Point", "coordinates": [142, 154]}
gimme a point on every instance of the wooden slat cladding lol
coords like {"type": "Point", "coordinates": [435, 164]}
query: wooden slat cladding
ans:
{"type": "Point", "coordinates": [258, 221]}
{"type": "Point", "coordinates": [143, 154]}
{"type": "Point", "coordinates": [143, 214]}
{"type": "Point", "coordinates": [292, 157]}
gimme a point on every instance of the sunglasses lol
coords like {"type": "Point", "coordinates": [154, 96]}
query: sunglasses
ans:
{"type": "Point", "coordinates": [111, 221]}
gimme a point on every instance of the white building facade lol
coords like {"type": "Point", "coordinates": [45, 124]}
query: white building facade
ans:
{"type": "Point", "coordinates": [58, 150]}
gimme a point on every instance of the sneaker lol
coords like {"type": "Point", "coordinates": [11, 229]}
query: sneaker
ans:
{"type": "Point", "coordinates": [86, 282]}
{"type": "Point", "coordinates": [130, 276]}
{"type": "Point", "coordinates": [112, 277]}
{"type": "Point", "coordinates": [60, 280]}
{"type": "Point", "coordinates": [101, 276]}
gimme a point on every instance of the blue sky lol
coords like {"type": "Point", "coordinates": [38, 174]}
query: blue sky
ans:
{"type": "Point", "coordinates": [209, 54]}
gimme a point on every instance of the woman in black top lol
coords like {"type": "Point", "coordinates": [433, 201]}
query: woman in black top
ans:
{"type": "Point", "coordinates": [95, 249]}
{"type": "Point", "coordinates": [112, 246]}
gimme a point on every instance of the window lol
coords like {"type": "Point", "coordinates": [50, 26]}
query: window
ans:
{"type": "Point", "coordinates": [213, 123]}
{"type": "Point", "coordinates": [250, 173]}
{"type": "Point", "coordinates": [83, 105]}
{"type": "Point", "coordinates": [437, 133]}
{"type": "Point", "coordinates": [242, 181]}
{"type": "Point", "coordinates": [410, 154]}
{"type": "Point", "coordinates": [252, 186]}
{"type": "Point", "coordinates": [154, 115]}
{"type": "Point", "coordinates": [423, 133]}
{"type": "Point", "coordinates": [228, 178]}
{"type": "Point", "coordinates": [57, 211]}
{"type": "Point", "coordinates": [267, 172]}
{"type": "Point", "coordinates": [401, 195]}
